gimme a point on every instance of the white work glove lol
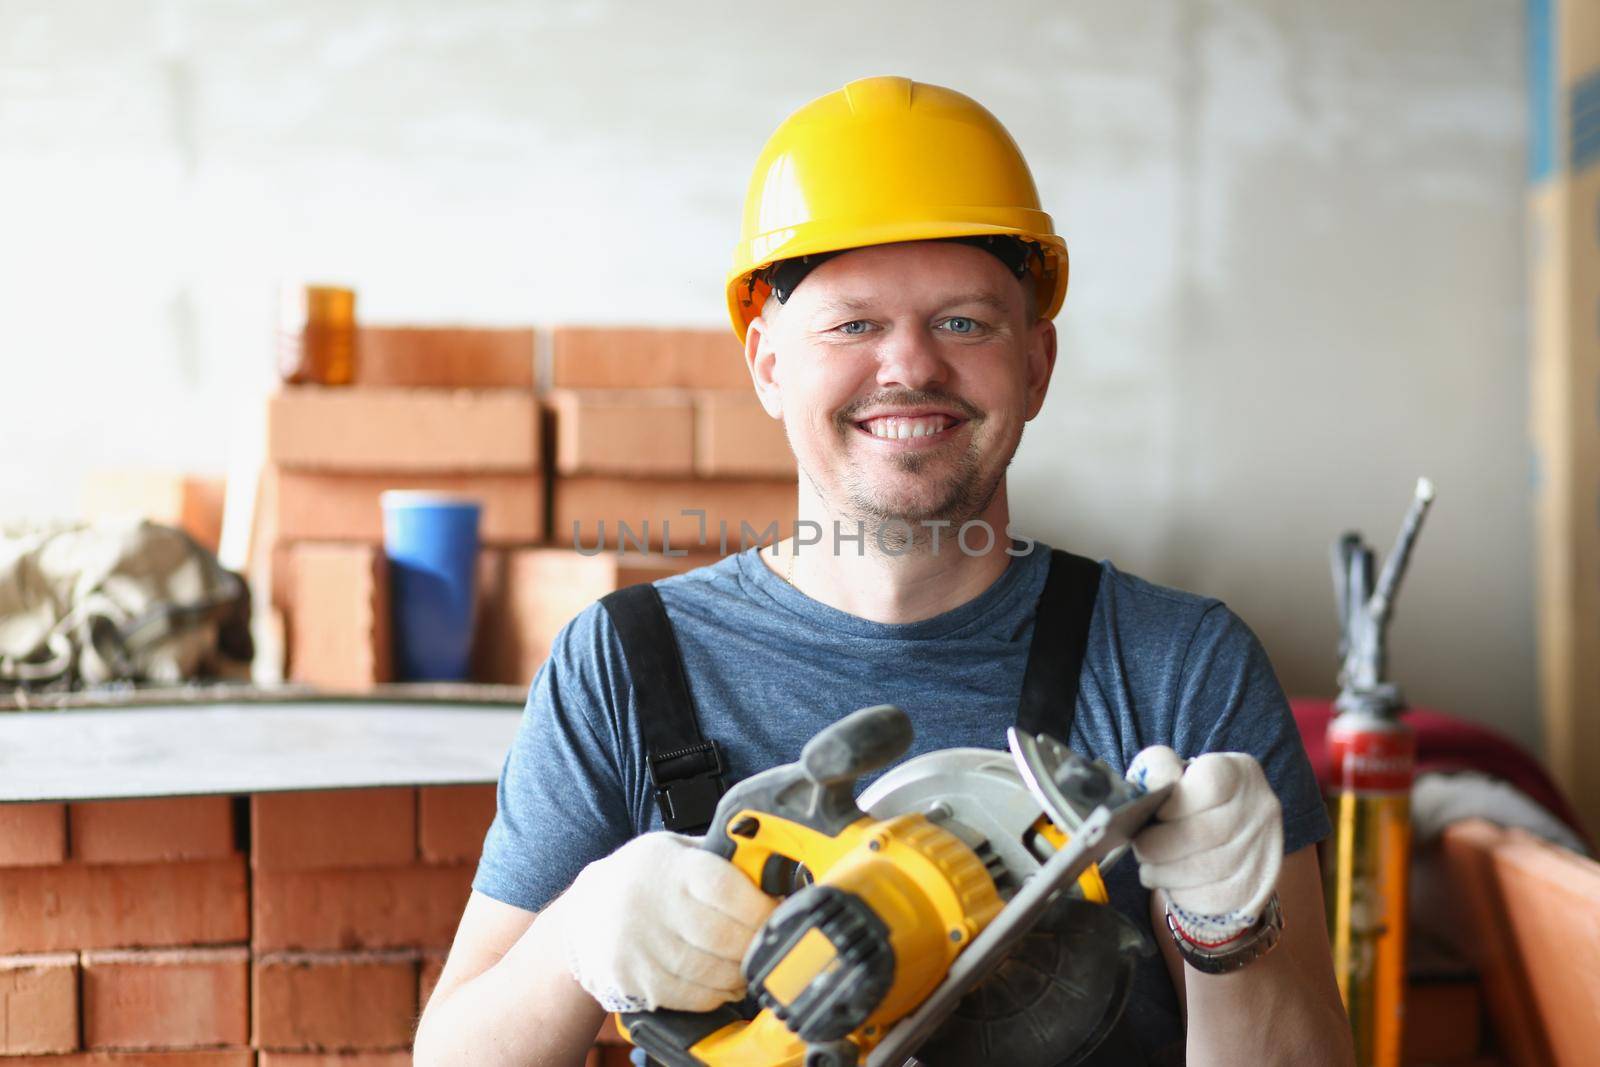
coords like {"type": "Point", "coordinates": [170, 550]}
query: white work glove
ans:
{"type": "Point", "coordinates": [661, 923]}
{"type": "Point", "coordinates": [1216, 843]}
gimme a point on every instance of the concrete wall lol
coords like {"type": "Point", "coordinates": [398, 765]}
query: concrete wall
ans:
{"type": "Point", "coordinates": [1296, 235]}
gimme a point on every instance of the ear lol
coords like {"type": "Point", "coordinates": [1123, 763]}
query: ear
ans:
{"type": "Point", "coordinates": [1041, 360]}
{"type": "Point", "coordinates": [762, 359]}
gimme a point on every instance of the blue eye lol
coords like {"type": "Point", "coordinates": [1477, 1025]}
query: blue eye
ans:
{"type": "Point", "coordinates": [962, 324]}
{"type": "Point", "coordinates": [850, 328]}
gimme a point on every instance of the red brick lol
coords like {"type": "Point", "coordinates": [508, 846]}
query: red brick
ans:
{"type": "Point", "coordinates": [340, 638]}
{"type": "Point", "coordinates": [375, 908]}
{"type": "Point", "coordinates": [525, 597]}
{"type": "Point", "coordinates": [328, 828]}
{"type": "Point", "coordinates": [83, 906]}
{"type": "Point", "coordinates": [309, 506]}
{"type": "Point", "coordinates": [335, 1001]}
{"type": "Point", "coordinates": [431, 966]}
{"type": "Point", "coordinates": [734, 437]}
{"type": "Point", "coordinates": [163, 828]}
{"type": "Point", "coordinates": [38, 1004]}
{"type": "Point", "coordinates": [191, 502]}
{"type": "Point", "coordinates": [185, 998]}
{"type": "Point", "coordinates": [623, 431]}
{"type": "Point", "coordinates": [32, 834]}
{"type": "Point", "coordinates": [444, 357]}
{"type": "Point", "coordinates": [451, 822]}
{"type": "Point", "coordinates": [579, 505]}
{"type": "Point", "coordinates": [641, 358]}
{"type": "Point", "coordinates": [394, 1058]}
{"type": "Point", "coordinates": [634, 568]}
{"type": "Point", "coordinates": [394, 431]}
{"type": "Point", "coordinates": [220, 1057]}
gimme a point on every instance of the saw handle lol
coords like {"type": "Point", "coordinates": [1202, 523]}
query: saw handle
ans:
{"type": "Point", "coordinates": [818, 790]}
{"type": "Point", "coordinates": [857, 744]}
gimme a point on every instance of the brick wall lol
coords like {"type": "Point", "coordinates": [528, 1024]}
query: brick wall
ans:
{"type": "Point", "coordinates": [308, 928]}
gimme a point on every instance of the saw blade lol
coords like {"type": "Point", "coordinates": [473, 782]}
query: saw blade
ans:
{"type": "Point", "coordinates": [1105, 829]}
{"type": "Point", "coordinates": [1066, 785]}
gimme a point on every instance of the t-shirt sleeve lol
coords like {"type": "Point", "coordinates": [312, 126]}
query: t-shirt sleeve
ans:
{"type": "Point", "coordinates": [561, 802]}
{"type": "Point", "coordinates": [1229, 700]}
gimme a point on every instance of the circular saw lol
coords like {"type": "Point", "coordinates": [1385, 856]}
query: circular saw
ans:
{"type": "Point", "coordinates": [954, 913]}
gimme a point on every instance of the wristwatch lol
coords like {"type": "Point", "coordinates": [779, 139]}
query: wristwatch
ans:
{"type": "Point", "coordinates": [1236, 952]}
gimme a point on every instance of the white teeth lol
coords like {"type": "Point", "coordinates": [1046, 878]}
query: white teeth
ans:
{"type": "Point", "coordinates": [900, 428]}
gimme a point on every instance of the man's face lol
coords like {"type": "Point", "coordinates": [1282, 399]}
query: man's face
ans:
{"type": "Point", "coordinates": [904, 374]}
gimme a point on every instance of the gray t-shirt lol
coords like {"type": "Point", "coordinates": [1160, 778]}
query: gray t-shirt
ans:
{"type": "Point", "coordinates": [768, 667]}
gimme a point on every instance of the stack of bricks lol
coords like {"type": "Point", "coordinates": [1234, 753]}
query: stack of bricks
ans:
{"type": "Point", "coordinates": [649, 424]}
{"type": "Point", "coordinates": [453, 410]}
{"type": "Point", "coordinates": [200, 931]}
{"type": "Point", "coordinates": [644, 425]}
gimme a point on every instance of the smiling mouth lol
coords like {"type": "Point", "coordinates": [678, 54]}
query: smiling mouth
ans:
{"type": "Point", "coordinates": [906, 428]}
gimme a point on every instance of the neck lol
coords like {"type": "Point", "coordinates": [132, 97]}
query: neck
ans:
{"type": "Point", "coordinates": [903, 584]}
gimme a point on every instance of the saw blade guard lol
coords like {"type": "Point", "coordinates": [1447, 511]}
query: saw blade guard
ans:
{"type": "Point", "coordinates": [978, 795]}
{"type": "Point", "coordinates": [1061, 989]}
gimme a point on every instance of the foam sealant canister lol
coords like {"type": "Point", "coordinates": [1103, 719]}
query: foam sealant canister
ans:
{"type": "Point", "coordinates": [1374, 758]}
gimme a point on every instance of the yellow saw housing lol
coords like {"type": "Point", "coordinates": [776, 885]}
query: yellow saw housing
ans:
{"type": "Point", "coordinates": [931, 892]}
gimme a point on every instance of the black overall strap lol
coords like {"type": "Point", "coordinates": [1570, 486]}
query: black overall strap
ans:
{"type": "Point", "coordinates": [685, 768]}
{"type": "Point", "coordinates": [1050, 703]}
{"type": "Point", "coordinates": [1060, 635]}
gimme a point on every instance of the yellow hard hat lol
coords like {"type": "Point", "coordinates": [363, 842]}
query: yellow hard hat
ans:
{"type": "Point", "coordinates": [885, 160]}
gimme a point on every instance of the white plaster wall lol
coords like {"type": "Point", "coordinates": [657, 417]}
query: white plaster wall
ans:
{"type": "Point", "coordinates": [1296, 236]}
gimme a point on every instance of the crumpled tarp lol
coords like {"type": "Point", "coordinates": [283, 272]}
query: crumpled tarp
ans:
{"type": "Point", "coordinates": [88, 604]}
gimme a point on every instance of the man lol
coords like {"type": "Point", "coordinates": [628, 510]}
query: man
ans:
{"type": "Point", "coordinates": [895, 288]}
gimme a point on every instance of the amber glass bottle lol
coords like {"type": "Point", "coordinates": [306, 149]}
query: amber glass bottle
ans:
{"type": "Point", "coordinates": [317, 335]}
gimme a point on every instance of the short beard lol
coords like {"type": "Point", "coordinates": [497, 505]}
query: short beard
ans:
{"type": "Point", "coordinates": [963, 496]}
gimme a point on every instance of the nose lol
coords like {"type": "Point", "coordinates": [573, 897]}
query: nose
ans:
{"type": "Point", "coordinates": [910, 358]}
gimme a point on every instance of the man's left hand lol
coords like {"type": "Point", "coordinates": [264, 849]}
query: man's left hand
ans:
{"type": "Point", "coordinates": [1216, 843]}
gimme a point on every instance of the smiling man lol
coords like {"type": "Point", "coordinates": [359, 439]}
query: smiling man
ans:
{"type": "Point", "coordinates": [894, 286]}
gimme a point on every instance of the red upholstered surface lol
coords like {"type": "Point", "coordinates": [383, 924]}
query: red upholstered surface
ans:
{"type": "Point", "coordinates": [1447, 743]}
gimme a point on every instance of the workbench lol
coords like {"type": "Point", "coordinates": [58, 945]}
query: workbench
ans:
{"type": "Point", "coordinates": [254, 741]}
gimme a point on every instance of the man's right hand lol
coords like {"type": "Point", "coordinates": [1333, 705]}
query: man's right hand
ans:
{"type": "Point", "coordinates": [660, 923]}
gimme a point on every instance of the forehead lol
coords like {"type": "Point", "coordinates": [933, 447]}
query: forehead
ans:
{"type": "Point", "coordinates": [910, 272]}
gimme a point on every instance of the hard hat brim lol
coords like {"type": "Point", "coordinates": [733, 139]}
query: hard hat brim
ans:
{"type": "Point", "coordinates": [746, 295]}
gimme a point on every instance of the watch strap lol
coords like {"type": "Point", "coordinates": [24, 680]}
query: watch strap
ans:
{"type": "Point", "coordinates": [1236, 952]}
